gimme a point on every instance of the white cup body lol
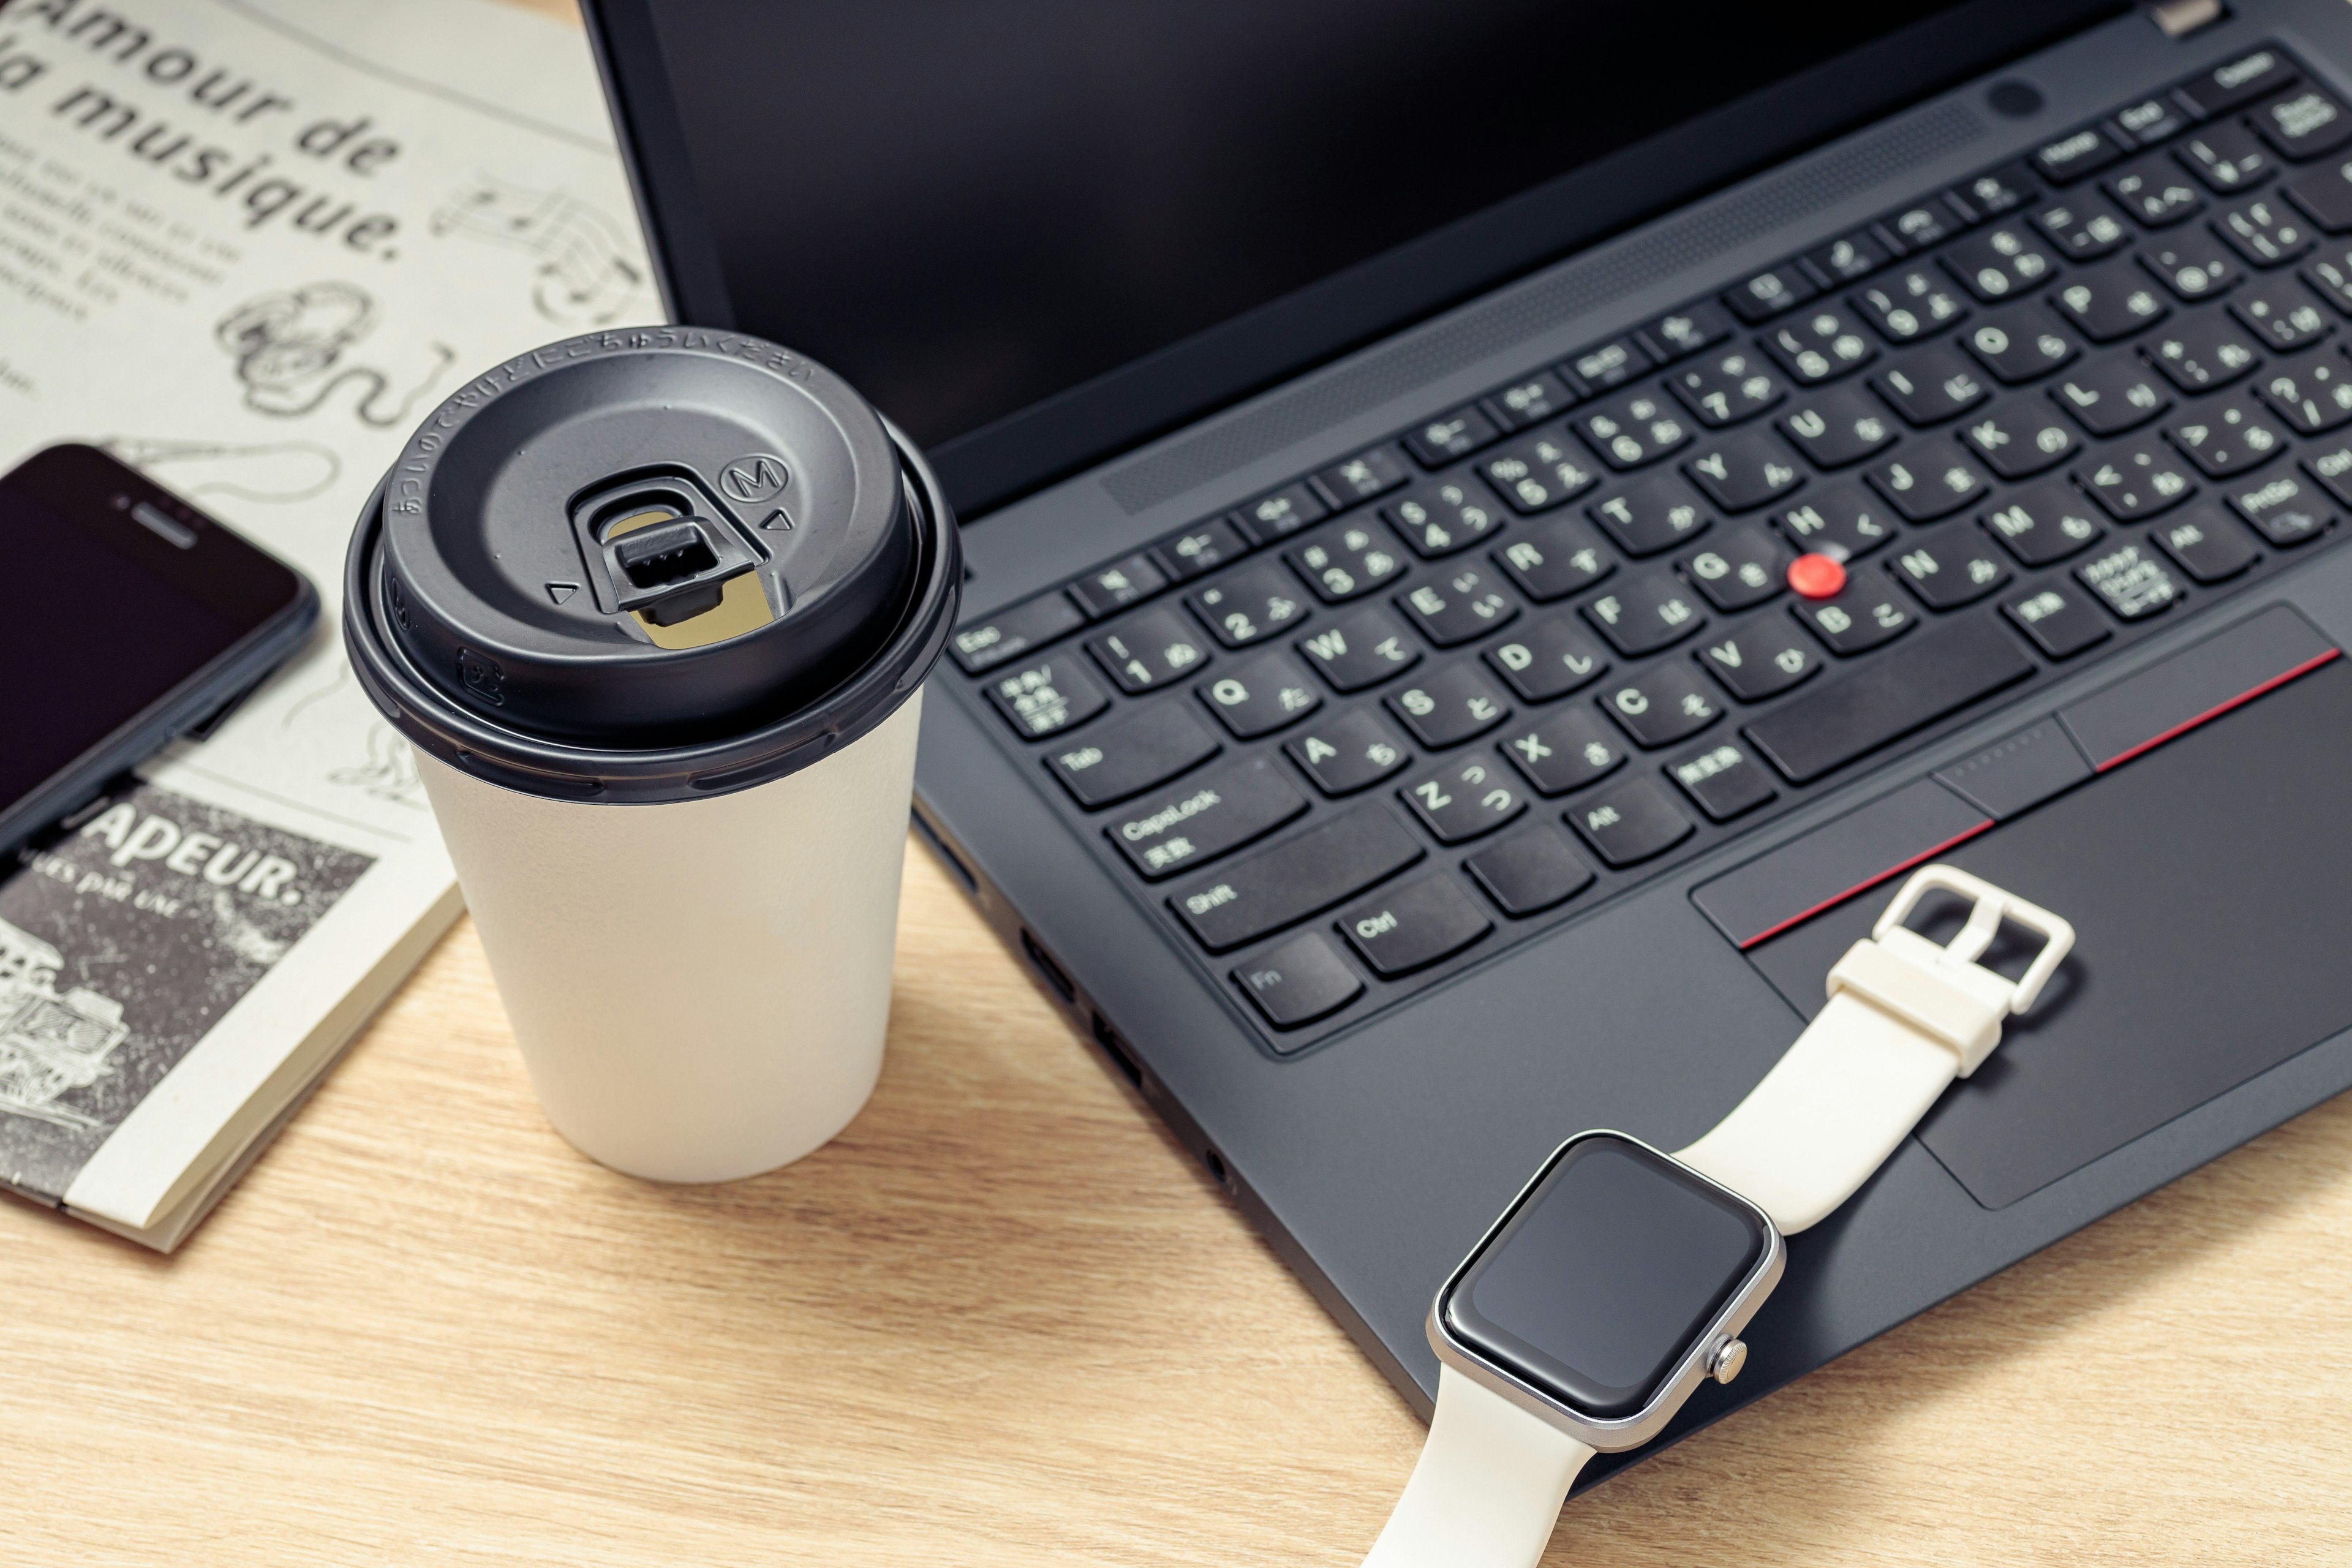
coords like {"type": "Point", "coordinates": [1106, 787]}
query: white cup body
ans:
{"type": "Point", "coordinates": [700, 990]}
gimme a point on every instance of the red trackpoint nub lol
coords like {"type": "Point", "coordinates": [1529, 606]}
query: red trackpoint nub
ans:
{"type": "Point", "coordinates": [1817, 577]}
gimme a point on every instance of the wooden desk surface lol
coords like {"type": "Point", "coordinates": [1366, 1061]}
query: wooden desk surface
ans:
{"type": "Point", "coordinates": [1004, 1318]}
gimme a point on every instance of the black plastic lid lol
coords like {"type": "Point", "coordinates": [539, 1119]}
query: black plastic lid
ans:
{"type": "Point", "coordinates": [650, 564]}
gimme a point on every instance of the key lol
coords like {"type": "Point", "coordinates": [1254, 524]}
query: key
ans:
{"type": "Point", "coordinates": [1201, 548]}
{"type": "Point", "coordinates": [2072, 156]}
{"type": "Point", "coordinates": [1670, 337]}
{"type": "Point", "coordinates": [1990, 194]}
{"type": "Point", "coordinates": [1661, 706]}
{"type": "Point", "coordinates": [1909, 305]}
{"type": "Point", "coordinates": [2279, 313]}
{"type": "Point", "coordinates": [1745, 471]}
{"type": "Point", "coordinates": [1555, 561]}
{"type": "Point", "coordinates": [2021, 343]}
{"type": "Point", "coordinates": [1047, 696]}
{"type": "Point", "coordinates": [1857, 255]}
{"type": "Point", "coordinates": [1440, 518]}
{"type": "Point", "coordinates": [1877, 704]}
{"type": "Point", "coordinates": [2333, 469]}
{"type": "Point", "coordinates": [2203, 353]}
{"type": "Point", "coordinates": [1413, 925]}
{"type": "Point", "coordinates": [2225, 439]}
{"type": "Point", "coordinates": [1843, 522]}
{"type": "Point", "coordinates": [1744, 568]}
{"type": "Point", "coordinates": [1252, 604]}
{"type": "Point", "coordinates": [1931, 385]}
{"type": "Point", "coordinates": [1725, 387]}
{"type": "Point", "coordinates": [1550, 658]}
{"type": "Point", "coordinates": [2227, 158]}
{"type": "Point", "coordinates": [2257, 74]}
{"type": "Point", "coordinates": [1770, 292]}
{"type": "Point", "coordinates": [2325, 194]}
{"type": "Point", "coordinates": [2046, 523]}
{"type": "Point", "coordinates": [1150, 650]}
{"type": "Point", "coordinates": [1760, 659]}
{"type": "Point", "coordinates": [1949, 566]}
{"type": "Point", "coordinates": [1301, 980]}
{"type": "Point", "coordinates": [1464, 799]}
{"type": "Point", "coordinates": [1650, 515]}
{"type": "Point", "coordinates": [1352, 751]}
{"type": "Point", "coordinates": [1612, 363]}
{"type": "Point", "coordinates": [1723, 779]}
{"type": "Point", "coordinates": [1463, 604]}
{"type": "Point", "coordinates": [1206, 816]}
{"type": "Point", "coordinates": [2083, 226]}
{"type": "Point", "coordinates": [2193, 264]}
{"type": "Point", "coordinates": [2312, 394]}
{"type": "Point", "coordinates": [1286, 511]}
{"type": "Point", "coordinates": [1100, 593]}
{"type": "Point", "coordinates": [1529, 872]}
{"type": "Point", "coordinates": [2002, 261]}
{"type": "Point", "coordinates": [2151, 120]}
{"type": "Point", "coordinates": [1009, 634]}
{"type": "Point", "coordinates": [1632, 430]}
{"type": "Point", "coordinates": [1361, 650]}
{"type": "Point", "coordinates": [2130, 582]}
{"type": "Point", "coordinates": [1864, 614]}
{"type": "Point", "coordinates": [1530, 401]}
{"type": "Point", "coordinates": [2109, 396]}
{"type": "Point", "coordinates": [2157, 191]}
{"type": "Point", "coordinates": [2282, 508]}
{"type": "Point", "coordinates": [1148, 746]}
{"type": "Point", "coordinates": [2265, 232]}
{"type": "Point", "coordinates": [1539, 473]}
{"type": "Point", "coordinates": [1819, 344]}
{"type": "Point", "coordinates": [1452, 705]}
{"type": "Point", "coordinates": [1260, 893]}
{"type": "Point", "coordinates": [1567, 750]}
{"type": "Point", "coordinates": [2303, 124]}
{"type": "Point", "coordinates": [1919, 228]}
{"type": "Point", "coordinates": [1838, 427]}
{"type": "Point", "coordinates": [1348, 561]}
{"type": "Point", "coordinates": [1261, 696]}
{"type": "Point", "coordinates": [1630, 824]}
{"type": "Point", "coordinates": [2135, 481]}
{"type": "Point", "coordinates": [2113, 302]}
{"type": "Point", "coordinates": [1451, 435]}
{"type": "Point", "coordinates": [1644, 614]}
{"type": "Point", "coordinates": [2061, 620]}
{"type": "Point", "coordinates": [2019, 438]}
{"type": "Point", "coordinates": [2208, 545]}
{"type": "Point", "coordinates": [2331, 274]}
{"type": "Point", "coordinates": [1924, 486]}
{"type": "Point", "coordinates": [1363, 477]}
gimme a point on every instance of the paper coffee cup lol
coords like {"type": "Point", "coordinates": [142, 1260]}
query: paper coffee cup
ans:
{"type": "Point", "coordinates": [653, 608]}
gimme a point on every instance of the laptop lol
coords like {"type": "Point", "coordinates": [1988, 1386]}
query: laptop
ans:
{"type": "Point", "coordinates": [1496, 529]}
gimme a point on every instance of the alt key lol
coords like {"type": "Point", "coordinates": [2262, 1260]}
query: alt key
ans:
{"type": "Point", "coordinates": [1301, 980]}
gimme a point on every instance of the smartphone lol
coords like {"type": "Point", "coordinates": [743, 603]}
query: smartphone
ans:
{"type": "Point", "coordinates": [127, 616]}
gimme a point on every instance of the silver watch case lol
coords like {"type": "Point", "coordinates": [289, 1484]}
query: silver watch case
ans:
{"type": "Point", "coordinates": [1616, 1433]}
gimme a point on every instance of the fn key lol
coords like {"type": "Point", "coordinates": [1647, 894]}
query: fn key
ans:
{"type": "Point", "coordinates": [1301, 980]}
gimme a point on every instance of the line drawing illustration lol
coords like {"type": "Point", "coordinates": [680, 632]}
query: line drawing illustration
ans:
{"type": "Point", "coordinates": [388, 772]}
{"type": "Point", "coordinates": [585, 277]}
{"type": "Point", "coordinates": [289, 347]}
{"type": "Point", "coordinates": [50, 1043]}
{"type": "Point", "coordinates": [262, 472]}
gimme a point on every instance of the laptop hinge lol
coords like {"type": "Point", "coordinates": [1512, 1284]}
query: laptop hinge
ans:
{"type": "Point", "coordinates": [2178, 18]}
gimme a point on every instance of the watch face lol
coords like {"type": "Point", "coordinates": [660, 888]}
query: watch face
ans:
{"type": "Point", "coordinates": [1605, 1273]}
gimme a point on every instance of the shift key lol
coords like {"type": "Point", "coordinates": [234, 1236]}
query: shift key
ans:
{"type": "Point", "coordinates": [1211, 814]}
{"type": "Point", "coordinates": [1265, 891]}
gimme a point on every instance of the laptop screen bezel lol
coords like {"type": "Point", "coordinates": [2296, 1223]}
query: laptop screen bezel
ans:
{"type": "Point", "coordinates": [1169, 387]}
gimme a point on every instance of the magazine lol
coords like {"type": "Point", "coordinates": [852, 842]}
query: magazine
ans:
{"type": "Point", "coordinates": [245, 246]}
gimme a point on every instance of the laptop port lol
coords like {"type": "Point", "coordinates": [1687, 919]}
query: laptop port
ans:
{"type": "Point", "coordinates": [1052, 971]}
{"type": "Point", "coordinates": [1107, 1038]}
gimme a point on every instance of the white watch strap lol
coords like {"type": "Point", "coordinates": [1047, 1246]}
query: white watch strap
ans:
{"type": "Point", "coordinates": [1486, 1488]}
{"type": "Point", "coordinates": [1904, 1019]}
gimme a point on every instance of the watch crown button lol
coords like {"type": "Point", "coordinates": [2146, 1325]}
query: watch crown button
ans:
{"type": "Point", "coordinates": [1728, 1358]}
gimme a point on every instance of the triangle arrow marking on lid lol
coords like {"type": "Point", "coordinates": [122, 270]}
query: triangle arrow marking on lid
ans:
{"type": "Point", "coordinates": [559, 592]}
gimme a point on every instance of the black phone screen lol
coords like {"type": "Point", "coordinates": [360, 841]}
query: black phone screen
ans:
{"type": "Point", "coordinates": [115, 595]}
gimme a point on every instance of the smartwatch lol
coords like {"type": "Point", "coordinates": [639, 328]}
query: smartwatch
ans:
{"type": "Point", "coordinates": [1621, 1277]}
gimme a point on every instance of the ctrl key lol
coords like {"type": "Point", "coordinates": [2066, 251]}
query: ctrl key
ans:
{"type": "Point", "coordinates": [1412, 926]}
{"type": "Point", "coordinates": [1301, 980]}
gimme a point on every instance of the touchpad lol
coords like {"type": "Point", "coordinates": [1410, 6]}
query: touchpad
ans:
{"type": "Point", "coordinates": [2209, 884]}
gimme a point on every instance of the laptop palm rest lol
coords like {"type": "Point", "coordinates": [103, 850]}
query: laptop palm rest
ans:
{"type": "Point", "coordinates": [2210, 881]}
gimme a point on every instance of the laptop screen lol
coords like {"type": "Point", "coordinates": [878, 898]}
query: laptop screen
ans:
{"type": "Point", "coordinates": [1033, 231]}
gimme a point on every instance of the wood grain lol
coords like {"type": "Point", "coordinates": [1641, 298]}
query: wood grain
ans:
{"type": "Point", "coordinates": [1004, 1318]}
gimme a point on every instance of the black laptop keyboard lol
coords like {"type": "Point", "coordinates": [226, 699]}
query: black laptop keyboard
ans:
{"type": "Point", "coordinates": [1427, 701]}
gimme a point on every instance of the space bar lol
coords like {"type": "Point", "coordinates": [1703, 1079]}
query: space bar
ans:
{"type": "Point", "coordinates": [1911, 684]}
{"type": "Point", "coordinates": [1265, 891]}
